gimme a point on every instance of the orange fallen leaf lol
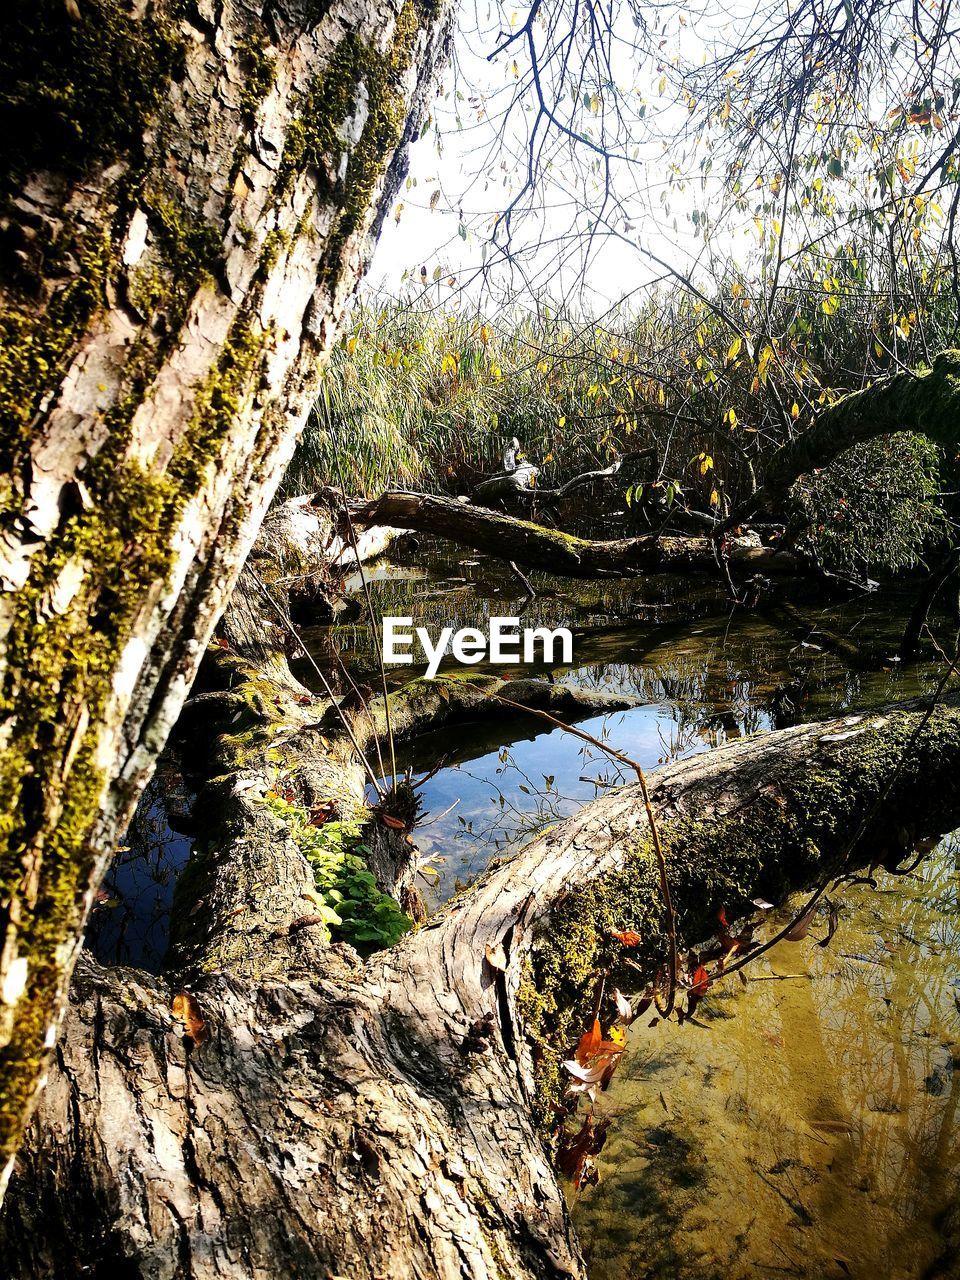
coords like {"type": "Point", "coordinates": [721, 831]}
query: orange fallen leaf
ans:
{"type": "Point", "coordinates": [700, 981]}
{"type": "Point", "coordinates": [185, 1010]}
{"type": "Point", "coordinates": [589, 1043]}
{"type": "Point", "coordinates": [496, 956]}
{"type": "Point", "coordinates": [627, 937]}
{"type": "Point", "coordinates": [395, 824]}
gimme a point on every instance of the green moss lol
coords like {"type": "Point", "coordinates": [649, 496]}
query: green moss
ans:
{"type": "Point", "coordinates": [314, 137]}
{"type": "Point", "coordinates": [260, 72]}
{"type": "Point", "coordinates": [75, 93]}
{"type": "Point", "coordinates": [191, 248]}
{"type": "Point", "coordinates": [35, 345]}
{"type": "Point", "coordinates": [355, 909]}
{"type": "Point", "coordinates": [788, 835]}
{"type": "Point", "coordinates": [219, 401]}
{"type": "Point", "coordinates": [60, 667]}
{"type": "Point", "coordinates": [273, 245]}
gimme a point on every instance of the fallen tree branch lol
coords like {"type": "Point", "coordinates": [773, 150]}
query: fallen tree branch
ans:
{"type": "Point", "coordinates": [928, 403]}
{"type": "Point", "coordinates": [537, 547]}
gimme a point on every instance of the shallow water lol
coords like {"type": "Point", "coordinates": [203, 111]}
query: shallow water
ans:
{"type": "Point", "coordinates": [804, 1124]}
{"type": "Point", "coordinates": [704, 674]}
{"type": "Point", "coordinates": [131, 918]}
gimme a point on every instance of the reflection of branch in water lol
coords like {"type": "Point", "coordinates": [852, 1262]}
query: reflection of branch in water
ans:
{"type": "Point", "coordinates": [132, 926]}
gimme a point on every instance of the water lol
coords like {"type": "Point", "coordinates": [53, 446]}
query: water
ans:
{"type": "Point", "coordinates": [131, 918]}
{"type": "Point", "coordinates": [704, 674]}
{"type": "Point", "coordinates": [802, 1125]}
{"type": "Point", "coordinates": [806, 1124]}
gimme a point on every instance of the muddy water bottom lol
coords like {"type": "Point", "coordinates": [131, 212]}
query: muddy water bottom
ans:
{"type": "Point", "coordinates": [805, 1124]}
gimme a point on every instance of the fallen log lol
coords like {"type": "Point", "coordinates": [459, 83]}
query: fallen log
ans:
{"type": "Point", "coordinates": [318, 1114]}
{"type": "Point", "coordinates": [536, 547]}
{"type": "Point", "coordinates": [927, 402]}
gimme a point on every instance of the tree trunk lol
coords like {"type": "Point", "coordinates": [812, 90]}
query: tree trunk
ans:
{"type": "Point", "coordinates": [928, 403]}
{"type": "Point", "coordinates": [380, 1117]}
{"type": "Point", "coordinates": [537, 547]}
{"type": "Point", "coordinates": [188, 194]}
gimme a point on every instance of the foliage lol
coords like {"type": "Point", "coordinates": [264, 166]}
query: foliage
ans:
{"type": "Point", "coordinates": [353, 907]}
{"type": "Point", "coordinates": [878, 507]}
{"type": "Point", "coordinates": [417, 397]}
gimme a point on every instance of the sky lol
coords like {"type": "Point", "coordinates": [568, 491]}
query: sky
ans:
{"type": "Point", "coordinates": [462, 175]}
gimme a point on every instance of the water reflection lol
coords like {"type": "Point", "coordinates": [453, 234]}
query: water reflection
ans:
{"type": "Point", "coordinates": [131, 919]}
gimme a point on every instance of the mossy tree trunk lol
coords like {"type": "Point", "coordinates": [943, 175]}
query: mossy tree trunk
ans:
{"type": "Point", "coordinates": [384, 1117]}
{"type": "Point", "coordinates": [537, 547]}
{"type": "Point", "coordinates": [188, 191]}
{"type": "Point", "coordinates": [927, 402]}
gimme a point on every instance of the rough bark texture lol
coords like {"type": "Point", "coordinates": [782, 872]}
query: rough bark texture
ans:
{"type": "Point", "coordinates": [376, 1118]}
{"type": "Point", "coordinates": [537, 547]}
{"type": "Point", "coordinates": [188, 191]}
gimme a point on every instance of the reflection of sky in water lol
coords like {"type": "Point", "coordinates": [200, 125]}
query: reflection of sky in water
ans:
{"type": "Point", "coordinates": [131, 922]}
{"type": "Point", "coordinates": [501, 797]}
{"type": "Point", "coordinates": [705, 673]}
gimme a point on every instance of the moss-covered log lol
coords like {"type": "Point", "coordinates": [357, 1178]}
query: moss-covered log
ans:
{"type": "Point", "coordinates": [927, 402]}
{"type": "Point", "coordinates": [187, 196]}
{"type": "Point", "coordinates": [552, 550]}
{"type": "Point", "coordinates": [381, 1117]}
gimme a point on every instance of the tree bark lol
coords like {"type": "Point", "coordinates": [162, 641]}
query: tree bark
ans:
{"type": "Point", "coordinates": [537, 547]}
{"type": "Point", "coordinates": [928, 403]}
{"type": "Point", "coordinates": [188, 195]}
{"type": "Point", "coordinates": [378, 1118]}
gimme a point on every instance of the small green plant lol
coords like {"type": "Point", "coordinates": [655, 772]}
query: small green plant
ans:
{"type": "Point", "coordinates": [353, 906]}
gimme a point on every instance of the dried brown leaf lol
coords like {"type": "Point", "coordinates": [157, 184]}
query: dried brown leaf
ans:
{"type": "Point", "coordinates": [186, 1011]}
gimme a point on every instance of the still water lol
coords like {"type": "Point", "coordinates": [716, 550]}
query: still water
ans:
{"type": "Point", "coordinates": [804, 1124]}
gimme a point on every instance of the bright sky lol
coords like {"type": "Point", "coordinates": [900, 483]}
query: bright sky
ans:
{"type": "Point", "coordinates": [462, 176]}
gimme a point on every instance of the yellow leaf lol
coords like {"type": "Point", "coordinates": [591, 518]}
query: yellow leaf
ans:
{"type": "Point", "coordinates": [735, 348]}
{"type": "Point", "coordinates": [795, 411]}
{"type": "Point", "coordinates": [714, 497]}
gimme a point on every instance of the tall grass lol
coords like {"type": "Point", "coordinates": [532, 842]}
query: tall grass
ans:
{"type": "Point", "coordinates": [420, 398]}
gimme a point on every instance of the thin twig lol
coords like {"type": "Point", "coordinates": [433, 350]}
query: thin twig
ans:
{"type": "Point", "coordinates": [668, 908]}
